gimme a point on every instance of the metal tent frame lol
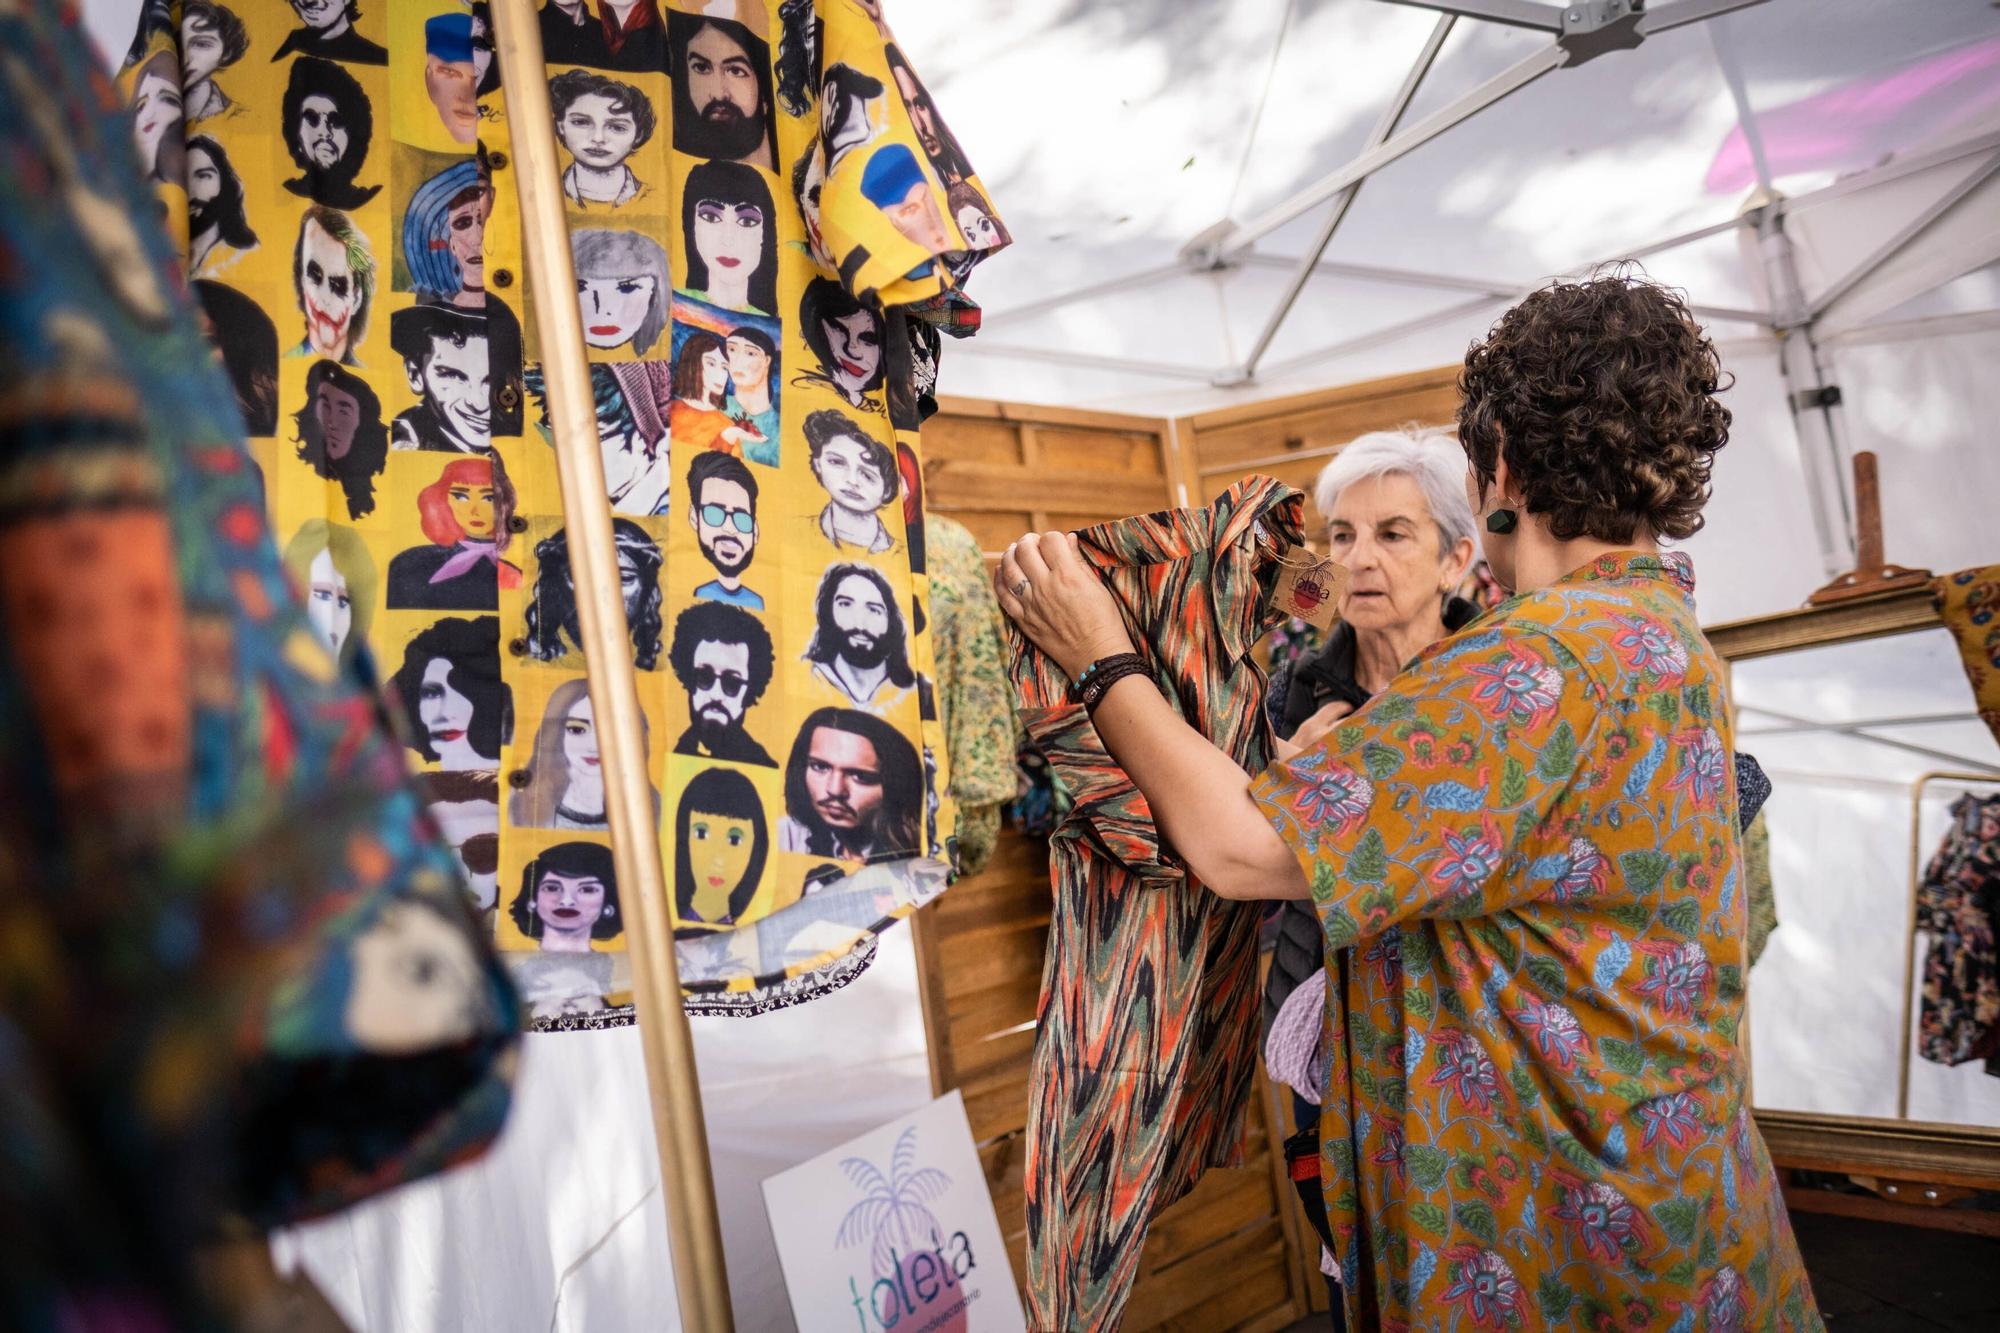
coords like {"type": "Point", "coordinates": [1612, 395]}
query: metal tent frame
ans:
{"type": "Point", "coordinates": [1952, 235]}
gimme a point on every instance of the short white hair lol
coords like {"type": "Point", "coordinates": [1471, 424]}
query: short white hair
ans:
{"type": "Point", "coordinates": [1427, 455]}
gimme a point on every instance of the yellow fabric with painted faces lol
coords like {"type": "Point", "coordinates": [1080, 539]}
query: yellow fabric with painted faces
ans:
{"type": "Point", "coordinates": [757, 188]}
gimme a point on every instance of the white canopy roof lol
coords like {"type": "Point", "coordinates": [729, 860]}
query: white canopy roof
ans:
{"type": "Point", "coordinates": [1115, 138]}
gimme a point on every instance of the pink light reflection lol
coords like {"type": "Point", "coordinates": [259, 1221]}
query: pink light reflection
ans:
{"type": "Point", "coordinates": [1860, 122]}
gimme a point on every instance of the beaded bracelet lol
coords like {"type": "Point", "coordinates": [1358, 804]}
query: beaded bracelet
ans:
{"type": "Point", "coordinates": [1101, 675]}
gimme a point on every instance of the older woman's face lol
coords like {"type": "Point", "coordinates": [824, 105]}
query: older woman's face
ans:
{"type": "Point", "coordinates": [1382, 530]}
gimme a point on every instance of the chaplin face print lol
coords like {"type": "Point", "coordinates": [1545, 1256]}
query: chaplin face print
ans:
{"type": "Point", "coordinates": [722, 90]}
{"type": "Point", "coordinates": [601, 122]}
{"type": "Point", "coordinates": [333, 271]}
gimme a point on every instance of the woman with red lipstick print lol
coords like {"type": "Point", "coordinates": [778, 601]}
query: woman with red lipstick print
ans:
{"type": "Point", "coordinates": [457, 711]}
{"type": "Point", "coordinates": [565, 779]}
{"type": "Point", "coordinates": [622, 287]}
{"type": "Point", "coordinates": [568, 897]}
{"type": "Point", "coordinates": [720, 845]}
{"type": "Point", "coordinates": [731, 234]}
{"type": "Point", "coordinates": [461, 569]}
{"type": "Point", "coordinates": [846, 337]}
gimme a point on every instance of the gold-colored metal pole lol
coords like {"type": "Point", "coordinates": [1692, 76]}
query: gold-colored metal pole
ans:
{"type": "Point", "coordinates": [1910, 922]}
{"type": "Point", "coordinates": [700, 1278]}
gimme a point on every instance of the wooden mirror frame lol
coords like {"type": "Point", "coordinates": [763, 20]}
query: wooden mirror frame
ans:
{"type": "Point", "coordinates": [1914, 1167]}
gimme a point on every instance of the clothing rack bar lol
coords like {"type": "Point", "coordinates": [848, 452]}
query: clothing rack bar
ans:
{"type": "Point", "coordinates": [1910, 918]}
{"type": "Point", "coordinates": [694, 1235]}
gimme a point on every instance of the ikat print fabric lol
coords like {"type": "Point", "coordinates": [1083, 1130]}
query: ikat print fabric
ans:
{"type": "Point", "coordinates": [1147, 1039]}
{"type": "Point", "coordinates": [758, 191]}
{"type": "Point", "coordinates": [1526, 852]}
{"type": "Point", "coordinates": [242, 986]}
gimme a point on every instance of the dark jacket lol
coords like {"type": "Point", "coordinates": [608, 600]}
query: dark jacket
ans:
{"type": "Point", "coordinates": [1311, 684]}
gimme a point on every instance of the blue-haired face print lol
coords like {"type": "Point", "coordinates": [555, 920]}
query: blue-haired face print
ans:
{"type": "Point", "coordinates": [444, 232]}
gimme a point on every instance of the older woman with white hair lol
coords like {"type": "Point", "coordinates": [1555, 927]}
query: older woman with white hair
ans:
{"type": "Point", "coordinates": [1397, 516]}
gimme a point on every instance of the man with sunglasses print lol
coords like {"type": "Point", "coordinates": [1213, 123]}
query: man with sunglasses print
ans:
{"type": "Point", "coordinates": [722, 509]}
{"type": "Point", "coordinates": [722, 658]}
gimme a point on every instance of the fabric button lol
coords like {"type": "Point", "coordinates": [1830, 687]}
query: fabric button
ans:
{"type": "Point", "coordinates": [509, 397]}
{"type": "Point", "coordinates": [517, 524]}
{"type": "Point", "coordinates": [518, 647]}
{"type": "Point", "coordinates": [518, 778]}
{"type": "Point", "coordinates": [503, 277]}
{"type": "Point", "coordinates": [497, 161]}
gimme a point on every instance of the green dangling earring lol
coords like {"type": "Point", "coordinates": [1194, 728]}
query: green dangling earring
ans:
{"type": "Point", "coordinates": [1502, 521]}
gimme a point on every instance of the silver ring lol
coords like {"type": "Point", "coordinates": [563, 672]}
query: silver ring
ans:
{"type": "Point", "coordinates": [1021, 590]}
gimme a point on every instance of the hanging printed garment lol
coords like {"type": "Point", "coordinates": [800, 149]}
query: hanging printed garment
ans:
{"type": "Point", "coordinates": [1147, 1038]}
{"type": "Point", "coordinates": [758, 192]}
{"type": "Point", "coordinates": [975, 700]}
{"type": "Point", "coordinates": [1969, 602]}
{"type": "Point", "coordinates": [1958, 903]}
{"type": "Point", "coordinates": [241, 986]}
{"type": "Point", "coordinates": [1527, 850]}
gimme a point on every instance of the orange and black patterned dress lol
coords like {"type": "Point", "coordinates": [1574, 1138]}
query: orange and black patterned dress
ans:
{"type": "Point", "coordinates": [1148, 1018]}
{"type": "Point", "coordinates": [1526, 860]}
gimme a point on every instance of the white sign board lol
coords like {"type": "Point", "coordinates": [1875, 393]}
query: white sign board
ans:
{"type": "Point", "coordinates": [893, 1232]}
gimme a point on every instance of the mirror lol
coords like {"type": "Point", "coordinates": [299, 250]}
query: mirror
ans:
{"type": "Point", "coordinates": [1847, 706]}
{"type": "Point", "coordinates": [1847, 732]}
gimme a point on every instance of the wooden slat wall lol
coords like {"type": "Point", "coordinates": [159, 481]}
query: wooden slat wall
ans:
{"type": "Point", "coordinates": [1292, 438]}
{"type": "Point", "coordinates": [1227, 1256]}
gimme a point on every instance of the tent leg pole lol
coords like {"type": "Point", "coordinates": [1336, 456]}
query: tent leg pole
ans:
{"type": "Point", "coordinates": [1813, 402]}
{"type": "Point", "coordinates": [695, 1235]}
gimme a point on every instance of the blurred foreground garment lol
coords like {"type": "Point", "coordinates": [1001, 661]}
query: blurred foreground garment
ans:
{"type": "Point", "coordinates": [237, 982]}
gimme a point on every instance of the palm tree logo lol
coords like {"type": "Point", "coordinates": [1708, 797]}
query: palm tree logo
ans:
{"type": "Point", "coordinates": [892, 1216]}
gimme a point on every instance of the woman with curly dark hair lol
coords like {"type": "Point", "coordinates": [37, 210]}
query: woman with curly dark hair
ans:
{"type": "Point", "coordinates": [1525, 861]}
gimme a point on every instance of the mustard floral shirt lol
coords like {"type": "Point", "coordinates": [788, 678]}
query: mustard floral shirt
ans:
{"type": "Point", "coordinates": [1524, 855]}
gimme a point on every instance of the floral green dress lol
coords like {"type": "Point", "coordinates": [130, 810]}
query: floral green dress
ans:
{"type": "Point", "coordinates": [1524, 854]}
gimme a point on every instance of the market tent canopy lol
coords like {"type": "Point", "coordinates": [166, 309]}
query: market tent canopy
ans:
{"type": "Point", "coordinates": [1116, 139]}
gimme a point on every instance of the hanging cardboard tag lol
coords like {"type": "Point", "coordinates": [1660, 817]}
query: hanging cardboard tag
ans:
{"type": "Point", "coordinates": [1309, 588]}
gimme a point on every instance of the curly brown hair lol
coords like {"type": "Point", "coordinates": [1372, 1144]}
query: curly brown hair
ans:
{"type": "Point", "coordinates": [1600, 395]}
